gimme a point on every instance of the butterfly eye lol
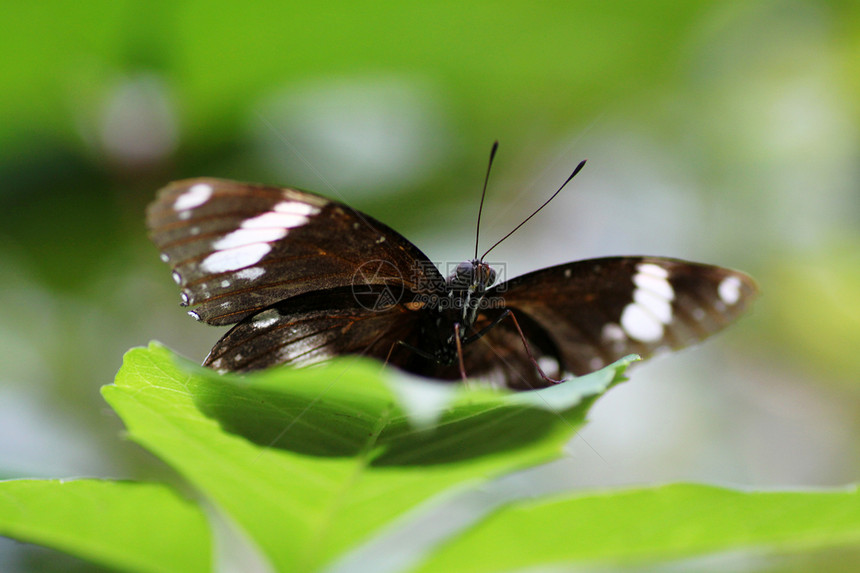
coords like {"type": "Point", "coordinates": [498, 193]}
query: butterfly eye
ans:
{"type": "Point", "coordinates": [463, 276]}
{"type": "Point", "coordinates": [466, 271]}
{"type": "Point", "coordinates": [490, 273]}
{"type": "Point", "coordinates": [483, 276]}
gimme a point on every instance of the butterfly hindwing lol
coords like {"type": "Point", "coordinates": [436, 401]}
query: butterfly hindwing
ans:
{"type": "Point", "coordinates": [316, 326]}
{"type": "Point", "coordinates": [596, 311]}
{"type": "Point", "coordinates": [237, 248]}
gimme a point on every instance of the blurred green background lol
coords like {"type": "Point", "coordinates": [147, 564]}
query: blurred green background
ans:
{"type": "Point", "coordinates": [726, 133]}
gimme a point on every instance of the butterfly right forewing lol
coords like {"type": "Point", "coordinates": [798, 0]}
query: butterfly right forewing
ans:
{"type": "Point", "coordinates": [599, 310]}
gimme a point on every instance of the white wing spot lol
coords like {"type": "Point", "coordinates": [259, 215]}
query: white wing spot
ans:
{"type": "Point", "coordinates": [194, 197]}
{"type": "Point", "coordinates": [185, 298]}
{"type": "Point", "coordinates": [730, 290]}
{"type": "Point", "coordinates": [177, 278]}
{"type": "Point", "coordinates": [248, 244]}
{"type": "Point", "coordinates": [614, 337]}
{"type": "Point", "coordinates": [699, 313]}
{"type": "Point", "coordinates": [280, 221]}
{"type": "Point", "coordinates": [235, 258]}
{"type": "Point", "coordinates": [654, 278]}
{"type": "Point", "coordinates": [268, 227]}
{"type": "Point", "coordinates": [640, 324]}
{"type": "Point", "coordinates": [653, 270]}
{"type": "Point", "coordinates": [193, 315]}
{"type": "Point", "coordinates": [165, 258]}
{"type": "Point", "coordinates": [285, 215]}
{"type": "Point", "coordinates": [651, 309]}
{"type": "Point", "coordinates": [297, 208]}
{"type": "Point", "coordinates": [247, 236]}
{"type": "Point", "coordinates": [655, 304]}
{"type": "Point", "coordinates": [225, 283]}
{"type": "Point", "coordinates": [612, 333]}
{"type": "Point", "coordinates": [380, 240]}
{"type": "Point", "coordinates": [251, 273]}
{"type": "Point", "coordinates": [567, 273]}
{"type": "Point", "coordinates": [266, 318]}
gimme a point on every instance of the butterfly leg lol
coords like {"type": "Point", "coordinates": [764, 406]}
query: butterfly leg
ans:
{"type": "Point", "coordinates": [459, 350]}
{"type": "Point", "coordinates": [415, 349]}
{"type": "Point", "coordinates": [543, 375]}
{"type": "Point", "coordinates": [429, 356]}
{"type": "Point", "coordinates": [508, 312]}
{"type": "Point", "coordinates": [390, 352]}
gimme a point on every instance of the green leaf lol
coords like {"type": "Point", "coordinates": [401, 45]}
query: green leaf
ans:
{"type": "Point", "coordinates": [311, 462]}
{"type": "Point", "coordinates": [648, 524]}
{"type": "Point", "coordinates": [123, 525]}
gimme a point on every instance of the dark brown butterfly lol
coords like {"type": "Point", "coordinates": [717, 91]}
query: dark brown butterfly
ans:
{"type": "Point", "coordinates": [304, 278]}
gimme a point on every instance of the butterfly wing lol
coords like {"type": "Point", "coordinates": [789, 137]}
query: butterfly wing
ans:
{"type": "Point", "coordinates": [238, 248]}
{"type": "Point", "coordinates": [316, 326]}
{"type": "Point", "coordinates": [586, 314]}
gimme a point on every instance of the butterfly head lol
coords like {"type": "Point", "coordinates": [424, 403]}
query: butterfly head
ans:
{"type": "Point", "coordinates": [473, 276]}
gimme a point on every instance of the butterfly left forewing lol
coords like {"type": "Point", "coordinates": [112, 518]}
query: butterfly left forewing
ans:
{"type": "Point", "coordinates": [237, 248]}
{"type": "Point", "coordinates": [596, 311]}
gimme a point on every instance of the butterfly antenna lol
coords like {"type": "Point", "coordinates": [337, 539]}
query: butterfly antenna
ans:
{"type": "Point", "coordinates": [484, 194]}
{"type": "Point", "coordinates": [566, 181]}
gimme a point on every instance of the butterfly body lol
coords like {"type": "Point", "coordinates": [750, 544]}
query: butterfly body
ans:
{"type": "Point", "coordinates": [303, 278]}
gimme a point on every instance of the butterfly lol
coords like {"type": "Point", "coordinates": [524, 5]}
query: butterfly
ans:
{"type": "Point", "coordinates": [304, 278]}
